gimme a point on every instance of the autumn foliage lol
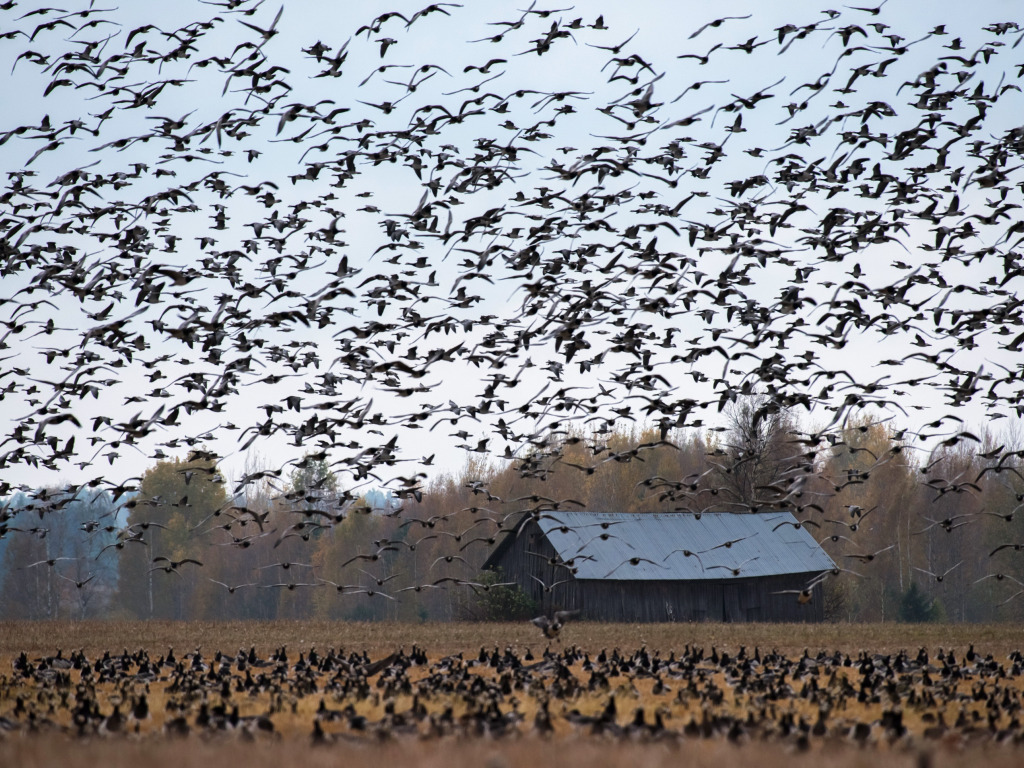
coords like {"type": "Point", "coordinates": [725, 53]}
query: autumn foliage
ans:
{"type": "Point", "coordinates": [939, 530]}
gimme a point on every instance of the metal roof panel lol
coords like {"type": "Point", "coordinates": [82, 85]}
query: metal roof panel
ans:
{"type": "Point", "coordinates": [642, 547]}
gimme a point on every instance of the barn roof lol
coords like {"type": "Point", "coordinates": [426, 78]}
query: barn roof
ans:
{"type": "Point", "coordinates": [764, 545]}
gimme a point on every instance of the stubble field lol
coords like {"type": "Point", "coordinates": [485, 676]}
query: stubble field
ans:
{"type": "Point", "coordinates": [704, 694]}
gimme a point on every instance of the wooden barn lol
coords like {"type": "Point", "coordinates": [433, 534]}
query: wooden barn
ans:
{"type": "Point", "coordinates": [634, 567]}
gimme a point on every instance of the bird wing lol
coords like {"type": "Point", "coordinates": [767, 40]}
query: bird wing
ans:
{"type": "Point", "coordinates": [541, 621]}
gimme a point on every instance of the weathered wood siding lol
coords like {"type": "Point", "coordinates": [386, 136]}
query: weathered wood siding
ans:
{"type": "Point", "coordinates": [529, 554]}
{"type": "Point", "coordinates": [729, 600]}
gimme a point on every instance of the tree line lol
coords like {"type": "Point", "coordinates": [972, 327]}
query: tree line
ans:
{"type": "Point", "coordinates": [915, 535]}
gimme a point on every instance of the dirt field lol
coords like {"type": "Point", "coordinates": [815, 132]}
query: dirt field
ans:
{"type": "Point", "coordinates": [697, 704]}
{"type": "Point", "coordinates": [376, 638]}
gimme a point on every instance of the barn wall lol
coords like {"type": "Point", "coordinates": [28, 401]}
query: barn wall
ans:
{"type": "Point", "coordinates": [730, 600]}
{"type": "Point", "coordinates": [528, 555]}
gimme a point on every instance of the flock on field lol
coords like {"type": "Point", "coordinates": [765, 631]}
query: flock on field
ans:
{"type": "Point", "coordinates": [903, 701]}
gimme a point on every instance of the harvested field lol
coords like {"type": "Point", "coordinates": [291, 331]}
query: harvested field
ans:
{"type": "Point", "coordinates": [607, 695]}
{"type": "Point", "coordinates": [383, 637]}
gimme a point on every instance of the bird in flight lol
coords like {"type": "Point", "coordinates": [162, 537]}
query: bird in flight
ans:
{"type": "Point", "coordinates": [551, 626]}
{"type": "Point", "coordinates": [172, 566]}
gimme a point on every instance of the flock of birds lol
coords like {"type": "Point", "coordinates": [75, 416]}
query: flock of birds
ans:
{"type": "Point", "coordinates": [899, 701]}
{"type": "Point", "coordinates": [207, 234]}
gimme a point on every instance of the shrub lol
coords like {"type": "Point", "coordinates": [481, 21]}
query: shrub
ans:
{"type": "Point", "coordinates": [492, 603]}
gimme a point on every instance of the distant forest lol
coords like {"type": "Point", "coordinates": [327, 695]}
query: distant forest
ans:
{"type": "Point", "coordinates": [184, 546]}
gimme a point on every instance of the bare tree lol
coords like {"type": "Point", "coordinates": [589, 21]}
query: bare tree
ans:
{"type": "Point", "coordinates": [758, 463]}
